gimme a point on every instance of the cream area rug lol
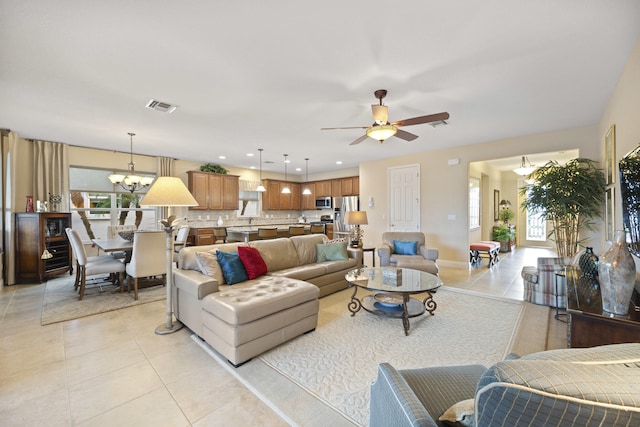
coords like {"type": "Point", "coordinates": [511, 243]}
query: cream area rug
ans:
{"type": "Point", "coordinates": [323, 378]}
{"type": "Point", "coordinates": [61, 301]}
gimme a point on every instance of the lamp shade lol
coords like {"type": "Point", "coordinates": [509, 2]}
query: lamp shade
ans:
{"type": "Point", "coordinates": [168, 191]}
{"type": "Point", "coordinates": [356, 218]}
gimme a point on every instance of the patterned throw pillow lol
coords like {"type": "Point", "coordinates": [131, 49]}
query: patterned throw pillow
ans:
{"type": "Point", "coordinates": [252, 261]}
{"type": "Point", "coordinates": [208, 264]}
{"type": "Point", "coordinates": [232, 268]}
{"type": "Point", "coordinates": [328, 241]}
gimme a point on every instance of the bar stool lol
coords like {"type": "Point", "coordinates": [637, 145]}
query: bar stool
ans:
{"type": "Point", "coordinates": [219, 233]}
{"type": "Point", "coordinates": [296, 230]}
{"type": "Point", "coordinates": [318, 229]}
{"type": "Point", "coordinates": [267, 233]}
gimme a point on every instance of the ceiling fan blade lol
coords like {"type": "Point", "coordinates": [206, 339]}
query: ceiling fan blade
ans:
{"type": "Point", "coordinates": [405, 135]}
{"type": "Point", "coordinates": [380, 114]}
{"type": "Point", "coordinates": [422, 119]}
{"type": "Point", "coordinates": [352, 127]}
{"type": "Point", "coordinates": [359, 140]}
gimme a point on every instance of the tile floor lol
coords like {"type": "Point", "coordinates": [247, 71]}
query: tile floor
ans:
{"type": "Point", "coordinates": [112, 369]}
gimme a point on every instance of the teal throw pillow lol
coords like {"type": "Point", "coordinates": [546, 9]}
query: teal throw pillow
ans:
{"type": "Point", "coordinates": [405, 248]}
{"type": "Point", "coordinates": [232, 267]}
{"type": "Point", "coordinates": [331, 252]}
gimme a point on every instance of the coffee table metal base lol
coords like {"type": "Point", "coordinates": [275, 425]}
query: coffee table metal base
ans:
{"type": "Point", "coordinates": [410, 307]}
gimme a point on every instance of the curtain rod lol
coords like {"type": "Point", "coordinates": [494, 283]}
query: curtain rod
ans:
{"type": "Point", "coordinates": [94, 148]}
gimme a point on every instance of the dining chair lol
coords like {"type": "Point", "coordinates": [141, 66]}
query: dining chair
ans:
{"type": "Point", "coordinates": [317, 229]}
{"type": "Point", "coordinates": [180, 242]}
{"type": "Point", "coordinates": [148, 259]}
{"type": "Point", "coordinates": [267, 233]}
{"type": "Point", "coordinates": [92, 266]}
{"type": "Point", "coordinates": [112, 233]}
{"type": "Point", "coordinates": [219, 233]}
{"type": "Point", "coordinates": [296, 230]}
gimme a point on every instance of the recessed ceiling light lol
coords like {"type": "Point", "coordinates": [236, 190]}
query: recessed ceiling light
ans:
{"type": "Point", "coordinates": [339, 162]}
{"type": "Point", "coordinates": [222, 157]}
{"type": "Point", "coordinates": [249, 154]}
{"type": "Point", "coordinates": [298, 169]}
{"type": "Point", "coordinates": [252, 167]}
{"type": "Point", "coordinates": [287, 161]}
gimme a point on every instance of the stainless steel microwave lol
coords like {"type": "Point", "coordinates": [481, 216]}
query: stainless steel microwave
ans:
{"type": "Point", "coordinates": [323, 203]}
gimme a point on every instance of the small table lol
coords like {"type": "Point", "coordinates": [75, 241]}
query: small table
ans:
{"type": "Point", "coordinates": [395, 287]}
{"type": "Point", "coordinates": [373, 254]}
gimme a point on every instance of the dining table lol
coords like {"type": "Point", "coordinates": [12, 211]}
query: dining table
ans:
{"type": "Point", "coordinates": [116, 244]}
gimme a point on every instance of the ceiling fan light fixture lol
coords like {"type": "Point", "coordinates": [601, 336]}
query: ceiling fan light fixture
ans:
{"type": "Point", "coordinates": [381, 132]}
{"type": "Point", "coordinates": [525, 170]}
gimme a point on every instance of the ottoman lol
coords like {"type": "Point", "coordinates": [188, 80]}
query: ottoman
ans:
{"type": "Point", "coordinates": [246, 319]}
{"type": "Point", "coordinates": [426, 265]}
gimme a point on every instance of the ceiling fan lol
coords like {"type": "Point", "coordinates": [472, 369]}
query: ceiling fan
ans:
{"type": "Point", "coordinates": [381, 129]}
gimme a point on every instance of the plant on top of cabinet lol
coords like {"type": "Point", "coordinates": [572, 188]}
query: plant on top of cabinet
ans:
{"type": "Point", "coordinates": [210, 167]}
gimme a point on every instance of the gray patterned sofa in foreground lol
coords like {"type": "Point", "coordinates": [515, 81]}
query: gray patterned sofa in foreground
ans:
{"type": "Point", "coordinates": [598, 386]}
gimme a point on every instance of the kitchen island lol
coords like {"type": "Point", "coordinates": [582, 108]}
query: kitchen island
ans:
{"type": "Point", "coordinates": [203, 235]}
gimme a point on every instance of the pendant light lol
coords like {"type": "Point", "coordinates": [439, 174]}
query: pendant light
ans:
{"type": "Point", "coordinates": [525, 170]}
{"type": "Point", "coordinates": [285, 189]}
{"type": "Point", "coordinates": [307, 190]}
{"type": "Point", "coordinates": [131, 182]}
{"type": "Point", "coordinates": [261, 188]}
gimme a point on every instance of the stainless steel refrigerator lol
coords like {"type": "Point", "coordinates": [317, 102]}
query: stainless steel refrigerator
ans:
{"type": "Point", "coordinates": [342, 205]}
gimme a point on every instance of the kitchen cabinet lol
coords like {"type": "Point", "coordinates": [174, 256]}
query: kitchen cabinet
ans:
{"type": "Point", "coordinates": [323, 188]}
{"type": "Point", "coordinates": [350, 186]}
{"type": "Point", "coordinates": [296, 194]}
{"type": "Point", "coordinates": [35, 232]}
{"type": "Point", "coordinates": [274, 199]}
{"type": "Point", "coordinates": [308, 200]}
{"type": "Point", "coordinates": [200, 236]}
{"type": "Point", "coordinates": [336, 188]}
{"type": "Point", "coordinates": [214, 191]}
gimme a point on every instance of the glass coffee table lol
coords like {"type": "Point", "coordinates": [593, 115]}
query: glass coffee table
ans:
{"type": "Point", "coordinates": [393, 287]}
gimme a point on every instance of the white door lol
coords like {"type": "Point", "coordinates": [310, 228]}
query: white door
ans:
{"type": "Point", "coordinates": [404, 198]}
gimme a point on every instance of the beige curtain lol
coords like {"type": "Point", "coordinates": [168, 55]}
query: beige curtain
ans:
{"type": "Point", "coordinates": [51, 172]}
{"type": "Point", "coordinates": [165, 168]}
{"type": "Point", "coordinates": [10, 147]}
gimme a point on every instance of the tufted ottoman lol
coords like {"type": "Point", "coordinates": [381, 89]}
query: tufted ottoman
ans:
{"type": "Point", "coordinates": [247, 319]}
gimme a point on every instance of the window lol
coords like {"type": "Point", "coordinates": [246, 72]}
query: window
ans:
{"type": "Point", "coordinates": [474, 203]}
{"type": "Point", "coordinates": [96, 203]}
{"type": "Point", "coordinates": [536, 225]}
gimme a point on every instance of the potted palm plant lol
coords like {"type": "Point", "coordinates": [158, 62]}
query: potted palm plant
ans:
{"type": "Point", "coordinates": [569, 196]}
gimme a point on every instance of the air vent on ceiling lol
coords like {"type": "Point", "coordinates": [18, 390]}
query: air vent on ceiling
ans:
{"type": "Point", "coordinates": [163, 107]}
{"type": "Point", "coordinates": [439, 123]}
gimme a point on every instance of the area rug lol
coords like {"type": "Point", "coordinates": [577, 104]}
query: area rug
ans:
{"type": "Point", "coordinates": [61, 303]}
{"type": "Point", "coordinates": [323, 378]}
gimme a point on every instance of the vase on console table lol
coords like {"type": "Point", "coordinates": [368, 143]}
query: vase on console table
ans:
{"type": "Point", "coordinates": [617, 274]}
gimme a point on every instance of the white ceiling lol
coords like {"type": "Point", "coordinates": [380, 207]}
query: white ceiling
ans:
{"type": "Point", "coordinates": [251, 75]}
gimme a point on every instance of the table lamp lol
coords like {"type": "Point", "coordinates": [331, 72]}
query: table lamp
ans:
{"type": "Point", "coordinates": [168, 191]}
{"type": "Point", "coordinates": [356, 218]}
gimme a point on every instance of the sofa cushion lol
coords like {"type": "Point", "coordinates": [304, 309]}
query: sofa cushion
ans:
{"type": "Point", "coordinates": [395, 258]}
{"type": "Point", "coordinates": [331, 252]}
{"type": "Point", "coordinates": [208, 264]}
{"type": "Point", "coordinates": [306, 247]}
{"type": "Point", "coordinates": [334, 266]}
{"type": "Point", "coordinates": [252, 261]}
{"type": "Point", "coordinates": [302, 272]}
{"type": "Point", "coordinates": [278, 254]}
{"type": "Point", "coordinates": [405, 248]}
{"type": "Point", "coordinates": [232, 268]}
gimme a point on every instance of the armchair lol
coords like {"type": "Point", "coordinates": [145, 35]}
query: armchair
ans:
{"type": "Point", "coordinates": [424, 258]}
{"type": "Point", "coordinates": [540, 282]}
{"type": "Point", "coordinates": [587, 387]}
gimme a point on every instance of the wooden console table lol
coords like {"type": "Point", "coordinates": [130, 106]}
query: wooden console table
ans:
{"type": "Point", "coordinates": [588, 325]}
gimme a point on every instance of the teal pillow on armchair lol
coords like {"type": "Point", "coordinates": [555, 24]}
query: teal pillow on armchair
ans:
{"type": "Point", "coordinates": [405, 248]}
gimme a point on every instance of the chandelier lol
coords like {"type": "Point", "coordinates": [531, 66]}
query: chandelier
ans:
{"type": "Point", "coordinates": [525, 170]}
{"type": "Point", "coordinates": [131, 182]}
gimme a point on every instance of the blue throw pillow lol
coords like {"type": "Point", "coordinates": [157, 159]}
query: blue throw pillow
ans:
{"type": "Point", "coordinates": [405, 248]}
{"type": "Point", "coordinates": [232, 267]}
{"type": "Point", "coordinates": [331, 252]}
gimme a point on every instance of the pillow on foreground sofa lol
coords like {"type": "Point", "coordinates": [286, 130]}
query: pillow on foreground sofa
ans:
{"type": "Point", "coordinates": [295, 257]}
{"type": "Point", "coordinates": [597, 386]}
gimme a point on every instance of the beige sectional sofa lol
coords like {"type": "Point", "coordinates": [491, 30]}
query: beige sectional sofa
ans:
{"type": "Point", "coordinates": [214, 312]}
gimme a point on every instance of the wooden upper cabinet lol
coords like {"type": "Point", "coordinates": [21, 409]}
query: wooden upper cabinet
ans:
{"type": "Point", "coordinates": [296, 197]}
{"type": "Point", "coordinates": [308, 200]}
{"type": "Point", "coordinates": [336, 188]}
{"type": "Point", "coordinates": [350, 186]}
{"type": "Point", "coordinates": [214, 191]}
{"type": "Point", "coordinates": [271, 197]}
{"type": "Point", "coordinates": [323, 188]}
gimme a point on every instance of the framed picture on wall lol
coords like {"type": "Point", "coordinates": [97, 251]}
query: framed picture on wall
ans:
{"type": "Point", "coordinates": [496, 205]}
{"type": "Point", "coordinates": [609, 222]}
{"type": "Point", "coordinates": [610, 155]}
